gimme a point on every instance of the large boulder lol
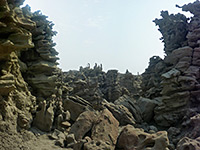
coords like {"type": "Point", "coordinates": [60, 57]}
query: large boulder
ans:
{"type": "Point", "coordinates": [134, 138]}
{"type": "Point", "coordinates": [100, 127]}
{"type": "Point", "coordinates": [76, 105]}
{"type": "Point", "coordinates": [83, 124]}
{"type": "Point", "coordinates": [132, 106]}
{"type": "Point", "coordinates": [120, 112]}
{"type": "Point", "coordinates": [147, 108]}
{"type": "Point", "coordinates": [106, 128]}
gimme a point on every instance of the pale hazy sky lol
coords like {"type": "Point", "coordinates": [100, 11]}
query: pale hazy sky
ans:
{"type": "Point", "coordinates": [119, 34]}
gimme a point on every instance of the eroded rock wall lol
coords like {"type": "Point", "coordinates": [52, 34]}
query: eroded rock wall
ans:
{"type": "Point", "coordinates": [174, 81]}
{"type": "Point", "coordinates": [16, 101]}
{"type": "Point", "coordinates": [41, 71]}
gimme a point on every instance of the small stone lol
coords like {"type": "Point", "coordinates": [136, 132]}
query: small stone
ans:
{"type": "Point", "coordinates": [66, 124]}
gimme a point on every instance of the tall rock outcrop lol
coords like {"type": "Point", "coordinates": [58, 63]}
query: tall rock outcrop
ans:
{"type": "Point", "coordinates": [16, 101]}
{"type": "Point", "coordinates": [41, 71]}
{"type": "Point", "coordinates": [175, 80]}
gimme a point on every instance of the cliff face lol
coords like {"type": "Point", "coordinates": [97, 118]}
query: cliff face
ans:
{"type": "Point", "coordinates": [89, 108]}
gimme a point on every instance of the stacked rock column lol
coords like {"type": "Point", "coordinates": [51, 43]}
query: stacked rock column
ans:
{"type": "Point", "coordinates": [42, 72]}
{"type": "Point", "coordinates": [193, 71]}
{"type": "Point", "coordinates": [180, 81]}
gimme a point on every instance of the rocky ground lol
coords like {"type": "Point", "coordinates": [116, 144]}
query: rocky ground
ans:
{"type": "Point", "coordinates": [44, 108]}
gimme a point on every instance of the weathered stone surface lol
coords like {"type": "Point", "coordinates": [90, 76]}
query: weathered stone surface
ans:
{"type": "Point", "coordinates": [97, 145]}
{"type": "Point", "coordinates": [101, 126]}
{"type": "Point", "coordinates": [76, 105]}
{"type": "Point", "coordinates": [170, 111]}
{"type": "Point", "coordinates": [70, 140]}
{"type": "Point", "coordinates": [83, 124]}
{"type": "Point", "coordinates": [120, 112]}
{"type": "Point", "coordinates": [147, 108]}
{"type": "Point", "coordinates": [192, 125]}
{"type": "Point", "coordinates": [89, 105]}
{"type": "Point", "coordinates": [12, 21]}
{"type": "Point", "coordinates": [173, 133]}
{"type": "Point", "coordinates": [130, 103]}
{"type": "Point", "coordinates": [174, 30]}
{"type": "Point", "coordinates": [7, 84]}
{"type": "Point", "coordinates": [151, 80]}
{"type": "Point", "coordinates": [179, 75]}
{"type": "Point", "coordinates": [42, 72]}
{"type": "Point", "coordinates": [188, 144]}
{"type": "Point", "coordinates": [182, 53]}
{"type": "Point", "coordinates": [23, 121]}
{"type": "Point", "coordinates": [94, 85]}
{"type": "Point", "coordinates": [44, 118]}
{"type": "Point", "coordinates": [134, 138]}
{"type": "Point", "coordinates": [106, 128]}
{"type": "Point", "coordinates": [16, 99]}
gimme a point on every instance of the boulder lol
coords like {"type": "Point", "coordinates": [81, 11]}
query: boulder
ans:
{"type": "Point", "coordinates": [147, 108]}
{"type": "Point", "coordinates": [83, 124]}
{"type": "Point", "coordinates": [101, 126]}
{"type": "Point", "coordinates": [132, 106]}
{"type": "Point", "coordinates": [120, 112]}
{"type": "Point", "coordinates": [134, 138]}
{"type": "Point", "coordinates": [76, 105]}
{"type": "Point", "coordinates": [106, 128]}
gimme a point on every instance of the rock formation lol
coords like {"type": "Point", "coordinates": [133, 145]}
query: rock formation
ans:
{"type": "Point", "coordinates": [41, 72]}
{"type": "Point", "coordinates": [15, 96]}
{"type": "Point", "coordinates": [43, 107]}
{"type": "Point", "coordinates": [174, 81]}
